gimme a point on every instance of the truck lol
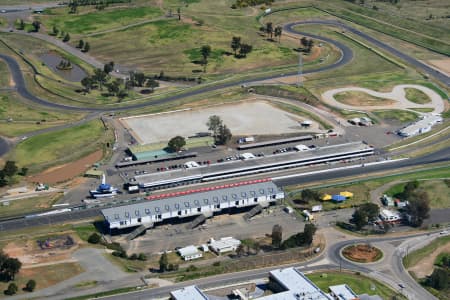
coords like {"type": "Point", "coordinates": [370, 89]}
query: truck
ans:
{"type": "Point", "coordinates": [308, 216]}
{"type": "Point", "coordinates": [133, 189]}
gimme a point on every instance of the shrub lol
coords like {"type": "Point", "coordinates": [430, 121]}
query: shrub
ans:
{"type": "Point", "coordinates": [30, 286]}
{"type": "Point", "coordinates": [191, 268]}
{"type": "Point", "coordinates": [216, 264]}
{"type": "Point", "coordinates": [94, 238]}
{"type": "Point", "coordinates": [142, 257]}
{"type": "Point", "coordinates": [133, 256]}
{"type": "Point", "coordinates": [11, 290]}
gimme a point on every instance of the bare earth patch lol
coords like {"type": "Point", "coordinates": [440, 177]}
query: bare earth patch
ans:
{"type": "Point", "coordinates": [362, 253]}
{"type": "Point", "coordinates": [425, 267]}
{"type": "Point", "coordinates": [67, 171]}
{"type": "Point", "coordinates": [441, 64]}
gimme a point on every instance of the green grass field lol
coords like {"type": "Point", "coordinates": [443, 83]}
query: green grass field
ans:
{"type": "Point", "coordinates": [402, 116]}
{"type": "Point", "coordinates": [360, 284]}
{"type": "Point", "coordinates": [28, 205]}
{"type": "Point", "coordinates": [417, 96]}
{"type": "Point", "coordinates": [89, 22]}
{"type": "Point", "coordinates": [437, 190]}
{"type": "Point", "coordinates": [357, 98]}
{"type": "Point", "coordinates": [59, 145]}
{"type": "Point", "coordinates": [4, 74]}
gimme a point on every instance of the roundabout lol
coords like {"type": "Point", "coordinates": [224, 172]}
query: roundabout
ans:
{"type": "Point", "coordinates": [362, 253]}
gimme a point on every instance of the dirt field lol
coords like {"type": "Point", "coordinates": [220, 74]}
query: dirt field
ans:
{"type": "Point", "coordinates": [244, 118]}
{"type": "Point", "coordinates": [441, 64]}
{"type": "Point", "coordinates": [67, 171]}
{"type": "Point", "coordinates": [425, 267]}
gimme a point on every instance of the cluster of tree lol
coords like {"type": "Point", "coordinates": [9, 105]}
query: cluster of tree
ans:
{"type": "Point", "coordinates": [9, 170]}
{"type": "Point", "coordinates": [301, 239]}
{"type": "Point", "coordinates": [9, 267]}
{"type": "Point", "coordinates": [64, 35]}
{"type": "Point", "coordinates": [95, 238]}
{"type": "Point", "coordinates": [245, 3]}
{"type": "Point", "coordinates": [243, 48]}
{"type": "Point", "coordinates": [440, 278]}
{"type": "Point", "coordinates": [12, 287]}
{"type": "Point", "coordinates": [221, 133]}
{"type": "Point", "coordinates": [418, 207]}
{"type": "Point", "coordinates": [84, 46]}
{"type": "Point", "coordinates": [99, 4]}
{"type": "Point", "coordinates": [306, 44]}
{"type": "Point", "coordinates": [270, 31]}
{"type": "Point", "coordinates": [176, 143]}
{"type": "Point", "coordinates": [244, 248]}
{"type": "Point", "coordinates": [64, 64]}
{"type": "Point", "coordinates": [365, 213]}
{"type": "Point", "coordinates": [164, 264]}
{"type": "Point", "coordinates": [139, 79]}
{"type": "Point", "coordinates": [100, 79]}
{"type": "Point", "coordinates": [21, 25]}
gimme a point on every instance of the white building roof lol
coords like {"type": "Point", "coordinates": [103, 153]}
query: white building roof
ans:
{"type": "Point", "coordinates": [224, 243]}
{"type": "Point", "coordinates": [247, 155]}
{"type": "Point", "coordinates": [188, 251]}
{"type": "Point", "coordinates": [425, 123]}
{"type": "Point", "coordinates": [188, 293]}
{"type": "Point", "coordinates": [343, 292]}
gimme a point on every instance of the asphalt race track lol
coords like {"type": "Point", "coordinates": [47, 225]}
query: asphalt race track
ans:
{"type": "Point", "coordinates": [416, 63]}
{"type": "Point", "coordinates": [4, 146]}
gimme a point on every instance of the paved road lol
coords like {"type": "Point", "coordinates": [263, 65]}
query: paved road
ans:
{"type": "Point", "coordinates": [439, 156]}
{"type": "Point", "coordinates": [4, 146]}
{"type": "Point", "coordinates": [416, 63]}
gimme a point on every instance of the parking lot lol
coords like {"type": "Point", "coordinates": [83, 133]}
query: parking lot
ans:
{"type": "Point", "coordinates": [169, 237]}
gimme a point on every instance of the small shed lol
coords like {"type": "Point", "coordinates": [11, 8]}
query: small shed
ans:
{"type": "Point", "coordinates": [189, 253]}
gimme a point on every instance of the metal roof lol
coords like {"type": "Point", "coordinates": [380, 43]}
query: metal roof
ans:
{"type": "Point", "coordinates": [343, 292]}
{"type": "Point", "coordinates": [275, 142]}
{"type": "Point", "coordinates": [188, 293]}
{"type": "Point", "coordinates": [193, 200]}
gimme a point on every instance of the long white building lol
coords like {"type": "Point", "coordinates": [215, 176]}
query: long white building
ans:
{"type": "Point", "coordinates": [206, 201]}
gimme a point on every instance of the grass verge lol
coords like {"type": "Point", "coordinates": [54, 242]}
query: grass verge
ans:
{"type": "Point", "coordinates": [402, 116]}
{"type": "Point", "coordinates": [28, 205]}
{"type": "Point", "coordinates": [414, 257]}
{"type": "Point", "coordinates": [416, 96]}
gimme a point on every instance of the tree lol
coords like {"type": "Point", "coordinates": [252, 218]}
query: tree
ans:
{"type": "Point", "coordinates": [240, 250]}
{"type": "Point", "coordinates": [205, 51]}
{"type": "Point", "coordinates": [66, 38]}
{"type": "Point", "coordinates": [109, 67]}
{"type": "Point", "coordinates": [277, 235]}
{"type": "Point", "coordinates": [176, 143]}
{"type": "Point", "coordinates": [23, 171]}
{"type": "Point", "coordinates": [30, 285]}
{"type": "Point", "coordinates": [224, 135]}
{"type": "Point", "coordinates": [310, 195]}
{"type": "Point", "coordinates": [152, 84]}
{"type": "Point", "coordinates": [101, 77]}
{"type": "Point", "coordinates": [87, 83]}
{"type": "Point", "coordinates": [55, 30]}
{"type": "Point", "coordinates": [10, 169]}
{"type": "Point", "coordinates": [371, 210]}
{"type": "Point", "coordinates": [21, 25]}
{"type": "Point", "coordinates": [142, 257]}
{"type": "Point", "coordinates": [235, 43]}
{"type": "Point", "coordinates": [9, 268]}
{"type": "Point", "coordinates": [308, 233]}
{"type": "Point", "coordinates": [94, 238]}
{"type": "Point", "coordinates": [310, 45]}
{"type": "Point", "coordinates": [408, 190]}
{"type": "Point", "coordinates": [359, 218]}
{"type": "Point", "coordinates": [214, 123]}
{"type": "Point", "coordinates": [179, 13]}
{"type": "Point", "coordinates": [269, 29]}
{"type": "Point", "coordinates": [245, 49]}
{"type": "Point", "coordinates": [87, 47]}
{"type": "Point", "coordinates": [278, 32]}
{"type": "Point", "coordinates": [36, 26]}
{"type": "Point", "coordinates": [163, 262]}
{"type": "Point", "coordinates": [80, 44]}
{"type": "Point", "coordinates": [12, 289]}
{"type": "Point", "coordinates": [304, 42]}
{"type": "Point", "coordinates": [113, 87]}
{"type": "Point", "coordinates": [418, 207]}
{"type": "Point", "coordinates": [439, 279]}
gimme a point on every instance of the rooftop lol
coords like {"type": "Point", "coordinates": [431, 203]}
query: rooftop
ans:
{"type": "Point", "coordinates": [427, 121]}
{"type": "Point", "coordinates": [343, 292]}
{"type": "Point", "coordinates": [178, 201]}
{"type": "Point", "coordinates": [189, 250]}
{"type": "Point", "coordinates": [188, 293]}
{"type": "Point", "coordinates": [276, 159]}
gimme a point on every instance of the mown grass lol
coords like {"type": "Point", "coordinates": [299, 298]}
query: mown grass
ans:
{"type": "Point", "coordinates": [360, 284]}
{"type": "Point", "coordinates": [28, 205]}
{"type": "Point", "coordinates": [414, 257]}
{"type": "Point", "coordinates": [357, 98]}
{"type": "Point", "coordinates": [416, 96]}
{"type": "Point", "coordinates": [45, 276]}
{"type": "Point", "coordinates": [4, 75]}
{"type": "Point", "coordinates": [402, 116]}
{"type": "Point", "coordinates": [97, 20]}
{"type": "Point", "coordinates": [54, 146]}
{"type": "Point", "coordinates": [438, 191]}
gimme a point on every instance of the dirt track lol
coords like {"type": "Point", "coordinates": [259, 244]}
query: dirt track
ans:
{"type": "Point", "coordinates": [67, 171]}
